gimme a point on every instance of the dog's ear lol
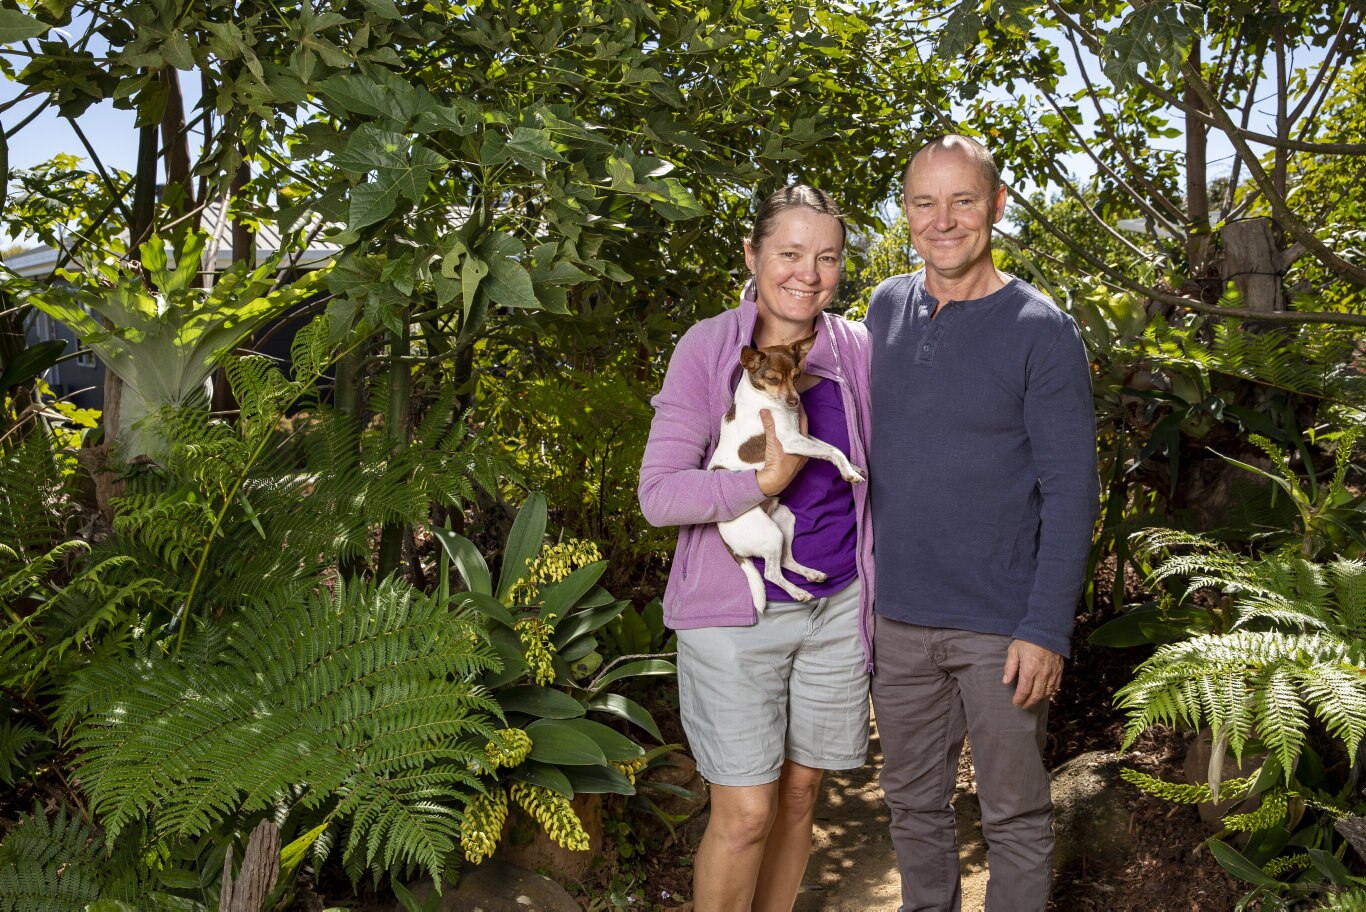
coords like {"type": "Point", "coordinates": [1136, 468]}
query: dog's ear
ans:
{"type": "Point", "coordinates": [802, 346]}
{"type": "Point", "coordinates": [750, 359]}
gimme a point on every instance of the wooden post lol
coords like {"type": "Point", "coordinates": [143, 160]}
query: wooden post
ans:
{"type": "Point", "coordinates": [1252, 261]}
{"type": "Point", "coordinates": [249, 890]}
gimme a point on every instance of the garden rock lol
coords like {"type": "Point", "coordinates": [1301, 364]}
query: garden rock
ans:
{"type": "Point", "coordinates": [1195, 770]}
{"type": "Point", "coordinates": [1091, 810]}
{"type": "Point", "coordinates": [497, 886]}
{"type": "Point", "coordinates": [1353, 829]}
{"type": "Point", "coordinates": [679, 770]}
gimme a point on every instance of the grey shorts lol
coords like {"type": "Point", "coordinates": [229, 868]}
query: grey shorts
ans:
{"type": "Point", "coordinates": [790, 687]}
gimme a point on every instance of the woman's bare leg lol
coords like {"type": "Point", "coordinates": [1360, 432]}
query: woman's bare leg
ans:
{"type": "Point", "coordinates": [789, 842]}
{"type": "Point", "coordinates": [732, 850]}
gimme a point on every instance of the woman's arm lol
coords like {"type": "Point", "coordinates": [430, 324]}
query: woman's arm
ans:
{"type": "Point", "coordinates": [675, 487]}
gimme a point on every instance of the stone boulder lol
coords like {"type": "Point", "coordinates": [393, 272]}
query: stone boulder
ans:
{"type": "Point", "coordinates": [496, 886]}
{"type": "Point", "coordinates": [1195, 771]}
{"type": "Point", "coordinates": [1092, 807]}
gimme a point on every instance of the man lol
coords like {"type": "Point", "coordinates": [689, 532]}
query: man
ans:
{"type": "Point", "coordinates": [984, 489]}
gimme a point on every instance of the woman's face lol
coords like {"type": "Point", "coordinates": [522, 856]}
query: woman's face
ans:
{"type": "Point", "coordinates": [797, 267]}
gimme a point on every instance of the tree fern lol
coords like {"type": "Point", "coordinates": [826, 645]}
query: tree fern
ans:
{"type": "Point", "coordinates": [357, 705]}
{"type": "Point", "coordinates": [1295, 652]}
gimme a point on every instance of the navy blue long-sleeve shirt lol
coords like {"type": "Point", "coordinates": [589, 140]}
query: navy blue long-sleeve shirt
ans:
{"type": "Point", "coordinates": [982, 468]}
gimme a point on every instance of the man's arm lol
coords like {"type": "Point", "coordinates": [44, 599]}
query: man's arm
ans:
{"type": "Point", "coordinates": [1059, 416]}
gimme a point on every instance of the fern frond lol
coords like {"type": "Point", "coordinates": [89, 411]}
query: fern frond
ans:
{"type": "Point", "coordinates": [50, 865]}
{"type": "Point", "coordinates": [17, 739]}
{"type": "Point", "coordinates": [358, 702]}
{"type": "Point", "coordinates": [1337, 694]}
{"type": "Point", "coordinates": [32, 502]}
{"type": "Point", "coordinates": [1348, 578]}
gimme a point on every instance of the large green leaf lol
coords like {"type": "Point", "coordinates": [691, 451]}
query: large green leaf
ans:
{"type": "Point", "coordinates": [17, 26]}
{"type": "Point", "coordinates": [1239, 866]}
{"type": "Point", "coordinates": [467, 560]}
{"type": "Point", "coordinates": [628, 709]}
{"type": "Point", "coordinates": [31, 362]}
{"type": "Point", "coordinates": [543, 774]}
{"type": "Point", "coordinates": [524, 543]}
{"type": "Point", "coordinates": [641, 668]}
{"type": "Point", "coordinates": [488, 606]}
{"type": "Point", "coordinates": [561, 742]}
{"type": "Point", "coordinates": [508, 647]}
{"type": "Point", "coordinates": [1154, 34]}
{"type": "Point", "coordinates": [564, 595]}
{"type": "Point", "coordinates": [508, 283]}
{"type": "Point", "coordinates": [613, 744]}
{"type": "Point", "coordinates": [581, 623]}
{"type": "Point", "coordinates": [1151, 623]}
{"type": "Point", "coordinates": [598, 780]}
{"type": "Point", "coordinates": [542, 702]}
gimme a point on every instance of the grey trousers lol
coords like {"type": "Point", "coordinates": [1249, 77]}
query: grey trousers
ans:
{"type": "Point", "coordinates": [933, 685]}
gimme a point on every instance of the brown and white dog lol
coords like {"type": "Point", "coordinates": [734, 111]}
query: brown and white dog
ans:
{"type": "Point", "coordinates": [769, 382]}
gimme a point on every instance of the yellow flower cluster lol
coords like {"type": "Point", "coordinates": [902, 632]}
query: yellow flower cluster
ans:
{"type": "Point", "coordinates": [553, 564]}
{"type": "Point", "coordinates": [629, 768]}
{"type": "Point", "coordinates": [483, 824]}
{"type": "Point", "coordinates": [1272, 811]}
{"type": "Point", "coordinates": [552, 811]}
{"type": "Point", "coordinates": [509, 747]}
{"type": "Point", "coordinates": [535, 635]}
{"type": "Point", "coordinates": [1286, 864]}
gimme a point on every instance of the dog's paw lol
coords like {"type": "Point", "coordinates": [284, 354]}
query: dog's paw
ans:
{"type": "Point", "coordinates": [815, 576]}
{"type": "Point", "coordinates": [853, 476]}
{"type": "Point", "coordinates": [802, 595]}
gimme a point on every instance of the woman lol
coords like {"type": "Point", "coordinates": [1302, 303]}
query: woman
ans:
{"type": "Point", "coordinates": [768, 701]}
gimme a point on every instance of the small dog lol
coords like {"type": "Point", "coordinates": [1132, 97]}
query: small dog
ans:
{"type": "Point", "coordinates": [769, 382]}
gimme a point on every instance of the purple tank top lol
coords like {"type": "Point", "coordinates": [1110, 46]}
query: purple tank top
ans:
{"type": "Point", "coordinates": [822, 501]}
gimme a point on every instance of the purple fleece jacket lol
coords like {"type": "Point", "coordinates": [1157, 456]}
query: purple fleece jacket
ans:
{"type": "Point", "coordinates": [706, 586]}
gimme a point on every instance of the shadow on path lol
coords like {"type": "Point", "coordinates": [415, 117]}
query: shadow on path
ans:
{"type": "Point", "coordinates": [853, 867]}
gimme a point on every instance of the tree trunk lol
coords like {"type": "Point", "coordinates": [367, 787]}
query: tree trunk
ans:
{"type": "Point", "coordinates": [392, 535]}
{"type": "Point", "coordinates": [176, 143]}
{"type": "Point", "coordinates": [1197, 187]}
{"type": "Point", "coordinates": [1252, 261]}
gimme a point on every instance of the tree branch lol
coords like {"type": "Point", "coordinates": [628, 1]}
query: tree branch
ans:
{"type": "Point", "coordinates": [1118, 279]}
{"type": "Point", "coordinates": [1287, 219]}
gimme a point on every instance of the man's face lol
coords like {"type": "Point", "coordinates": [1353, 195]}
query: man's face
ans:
{"type": "Point", "coordinates": [951, 210]}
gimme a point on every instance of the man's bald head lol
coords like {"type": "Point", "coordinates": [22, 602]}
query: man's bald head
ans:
{"type": "Point", "coordinates": [955, 143]}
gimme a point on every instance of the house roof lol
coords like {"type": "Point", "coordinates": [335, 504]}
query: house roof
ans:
{"type": "Point", "coordinates": [38, 262]}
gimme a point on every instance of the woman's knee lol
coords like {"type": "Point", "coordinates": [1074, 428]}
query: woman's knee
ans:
{"type": "Point", "coordinates": [743, 816]}
{"type": "Point", "coordinates": [799, 788]}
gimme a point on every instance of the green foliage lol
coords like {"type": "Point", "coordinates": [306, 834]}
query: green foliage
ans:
{"type": "Point", "coordinates": [544, 620]}
{"type": "Point", "coordinates": [17, 743]}
{"type": "Point", "coordinates": [50, 865]}
{"type": "Point", "coordinates": [355, 703]}
{"type": "Point", "coordinates": [167, 331]}
{"type": "Point", "coordinates": [1183, 793]}
{"type": "Point", "coordinates": [1348, 901]}
{"type": "Point", "coordinates": [1278, 666]}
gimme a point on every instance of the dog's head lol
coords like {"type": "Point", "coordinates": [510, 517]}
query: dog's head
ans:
{"type": "Point", "coordinates": [774, 370]}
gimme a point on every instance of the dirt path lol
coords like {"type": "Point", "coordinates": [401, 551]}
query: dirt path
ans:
{"type": "Point", "coordinates": [852, 865]}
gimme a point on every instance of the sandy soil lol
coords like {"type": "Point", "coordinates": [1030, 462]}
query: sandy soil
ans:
{"type": "Point", "coordinates": [853, 868]}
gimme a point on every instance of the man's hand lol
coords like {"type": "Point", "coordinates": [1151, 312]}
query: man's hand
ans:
{"type": "Point", "coordinates": [780, 467]}
{"type": "Point", "coordinates": [1039, 672]}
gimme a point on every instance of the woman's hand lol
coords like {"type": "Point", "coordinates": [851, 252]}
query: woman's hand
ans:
{"type": "Point", "coordinates": [780, 467]}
